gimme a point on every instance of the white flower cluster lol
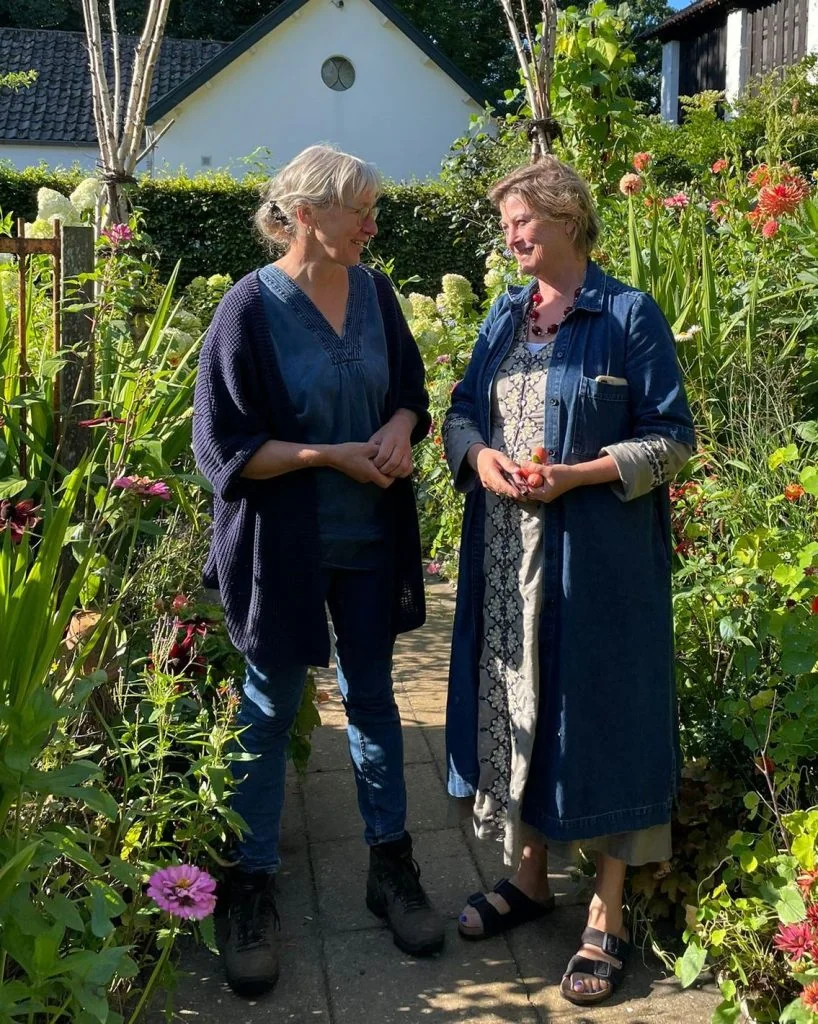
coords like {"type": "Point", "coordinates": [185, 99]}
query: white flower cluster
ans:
{"type": "Point", "coordinates": [51, 204]}
{"type": "Point", "coordinates": [457, 297]}
{"type": "Point", "coordinates": [85, 195]}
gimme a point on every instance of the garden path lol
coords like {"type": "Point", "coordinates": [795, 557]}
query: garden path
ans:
{"type": "Point", "coordinates": [339, 964]}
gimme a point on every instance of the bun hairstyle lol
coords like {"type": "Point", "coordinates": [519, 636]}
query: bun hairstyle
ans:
{"type": "Point", "coordinates": [319, 177]}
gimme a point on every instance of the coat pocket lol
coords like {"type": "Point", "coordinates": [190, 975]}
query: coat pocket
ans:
{"type": "Point", "coordinates": [601, 416]}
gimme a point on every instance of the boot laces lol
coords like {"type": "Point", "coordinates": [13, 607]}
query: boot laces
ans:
{"type": "Point", "coordinates": [408, 889]}
{"type": "Point", "coordinates": [255, 906]}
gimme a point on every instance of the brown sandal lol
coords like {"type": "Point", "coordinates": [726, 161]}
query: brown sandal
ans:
{"type": "Point", "coordinates": [613, 974]}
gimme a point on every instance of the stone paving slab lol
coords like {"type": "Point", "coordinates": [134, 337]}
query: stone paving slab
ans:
{"type": "Point", "coordinates": [339, 964]}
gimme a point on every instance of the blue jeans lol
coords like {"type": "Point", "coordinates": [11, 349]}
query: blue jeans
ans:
{"type": "Point", "coordinates": [359, 603]}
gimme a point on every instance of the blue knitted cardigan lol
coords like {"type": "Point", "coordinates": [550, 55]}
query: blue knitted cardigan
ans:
{"type": "Point", "coordinates": [264, 554]}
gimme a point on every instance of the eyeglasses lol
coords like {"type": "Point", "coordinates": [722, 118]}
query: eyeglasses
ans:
{"type": "Point", "coordinates": [364, 212]}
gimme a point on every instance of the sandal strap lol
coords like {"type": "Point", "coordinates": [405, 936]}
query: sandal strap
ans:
{"type": "Point", "coordinates": [602, 969]}
{"type": "Point", "coordinates": [608, 943]}
{"type": "Point", "coordinates": [520, 904]}
{"type": "Point", "coordinates": [490, 916]}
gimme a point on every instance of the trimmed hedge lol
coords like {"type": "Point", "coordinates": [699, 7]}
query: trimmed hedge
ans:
{"type": "Point", "coordinates": [205, 223]}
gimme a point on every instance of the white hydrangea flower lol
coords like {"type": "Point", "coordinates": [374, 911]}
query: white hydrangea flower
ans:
{"type": "Point", "coordinates": [457, 289]}
{"type": "Point", "coordinates": [423, 307]}
{"type": "Point", "coordinates": [51, 204]}
{"type": "Point", "coordinates": [39, 229]}
{"type": "Point", "coordinates": [494, 260]}
{"type": "Point", "coordinates": [85, 195]}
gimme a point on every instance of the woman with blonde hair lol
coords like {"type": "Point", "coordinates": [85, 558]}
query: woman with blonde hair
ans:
{"type": "Point", "coordinates": [569, 423]}
{"type": "Point", "coordinates": [308, 400]}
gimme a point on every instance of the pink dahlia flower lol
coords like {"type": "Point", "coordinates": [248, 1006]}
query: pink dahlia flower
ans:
{"type": "Point", "coordinates": [184, 891]}
{"type": "Point", "coordinates": [143, 486]}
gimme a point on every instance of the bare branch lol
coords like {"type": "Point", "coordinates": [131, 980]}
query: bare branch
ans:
{"type": "Point", "coordinates": [149, 57]}
{"type": "Point", "coordinates": [117, 68]}
{"type": "Point", "coordinates": [99, 82]}
{"type": "Point", "coordinates": [152, 144]}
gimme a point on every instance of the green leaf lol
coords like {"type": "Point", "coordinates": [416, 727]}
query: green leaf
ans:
{"type": "Point", "coordinates": [796, 1013]}
{"type": "Point", "coordinates": [11, 871]}
{"type": "Point", "coordinates": [803, 849]}
{"type": "Point", "coordinates": [10, 486]}
{"type": "Point", "coordinates": [689, 967]}
{"type": "Point", "coordinates": [808, 431]}
{"type": "Point", "coordinates": [62, 909]}
{"type": "Point", "coordinates": [782, 455]}
{"type": "Point", "coordinates": [790, 905]}
{"type": "Point", "coordinates": [726, 1013]}
{"type": "Point", "coordinates": [809, 479]}
{"type": "Point", "coordinates": [105, 904]}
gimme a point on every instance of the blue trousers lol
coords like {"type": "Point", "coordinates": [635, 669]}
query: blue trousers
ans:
{"type": "Point", "coordinates": [359, 602]}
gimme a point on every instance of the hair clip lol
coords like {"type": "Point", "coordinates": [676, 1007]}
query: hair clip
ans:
{"type": "Point", "coordinates": [277, 213]}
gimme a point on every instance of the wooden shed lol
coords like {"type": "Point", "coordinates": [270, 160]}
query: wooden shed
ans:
{"type": "Point", "coordinates": [720, 45]}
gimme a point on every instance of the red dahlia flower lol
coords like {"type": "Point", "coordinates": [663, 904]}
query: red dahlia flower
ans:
{"type": "Point", "coordinates": [794, 939]}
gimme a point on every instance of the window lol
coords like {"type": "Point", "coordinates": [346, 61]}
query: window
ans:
{"type": "Point", "coordinates": [338, 74]}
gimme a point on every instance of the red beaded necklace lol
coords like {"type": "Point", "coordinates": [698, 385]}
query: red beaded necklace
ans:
{"type": "Point", "coordinates": [534, 315]}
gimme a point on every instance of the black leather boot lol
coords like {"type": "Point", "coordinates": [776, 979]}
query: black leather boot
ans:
{"type": "Point", "coordinates": [394, 892]}
{"type": "Point", "coordinates": [247, 927]}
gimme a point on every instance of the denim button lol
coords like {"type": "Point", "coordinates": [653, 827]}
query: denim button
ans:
{"type": "Point", "coordinates": [560, 353]}
{"type": "Point", "coordinates": [552, 452]}
{"type": "Point", "coordinates": [555, 401]}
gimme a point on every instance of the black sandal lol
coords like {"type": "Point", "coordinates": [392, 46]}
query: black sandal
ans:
{"type": "Point", "coordinates": [613, 946]}
{"type": "Point", "coordinates": [521, 910]}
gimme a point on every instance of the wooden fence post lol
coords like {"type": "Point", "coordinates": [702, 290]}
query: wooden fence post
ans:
{"type": "Point", "coordinates": [77, 375]}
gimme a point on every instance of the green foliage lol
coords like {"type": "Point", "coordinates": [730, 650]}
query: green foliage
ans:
{"type": "Point", "coordinates": [205, 223]}
{"type": "Point", "coordinates": [17, 80]}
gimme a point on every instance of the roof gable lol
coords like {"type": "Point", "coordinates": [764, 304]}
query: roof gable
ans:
{"type": "Point", "coordinates": [58, 107]}
{"type": "Point", "coordinates": [271, 21]}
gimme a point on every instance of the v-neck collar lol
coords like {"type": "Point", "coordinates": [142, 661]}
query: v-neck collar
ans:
{"type": "Point", "coordinates": [297, 298]}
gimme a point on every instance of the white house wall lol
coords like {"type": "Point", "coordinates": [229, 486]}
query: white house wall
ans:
{"type": "Point", "coordinates": [55, 156]}
{"type": "Point", "coordinates": [402, 113]}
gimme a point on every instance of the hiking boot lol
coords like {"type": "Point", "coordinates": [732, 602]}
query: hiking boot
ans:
{"type": "Point", "coordinates": [394, 892]}
{"type": "Point", "coordinates": [247, 926]}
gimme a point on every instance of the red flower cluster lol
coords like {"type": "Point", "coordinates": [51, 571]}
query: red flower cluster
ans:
{"type": "Point", "coordinates": [641, 161]}
{"type": "Point", "coordinates": [759, 176]}
{"type": "Point", "coordinates": [719, 166]}
{"type": "Point", "coordinates": [793, 492]}
{"type": "Point", "coordinates": [718, 208]}
{"type": "Point", "coordinates": [770, 228]}
{"type": "Point", "coordinates": [679, 200]}
{"type": "Point", "coordinates": [17, 517]}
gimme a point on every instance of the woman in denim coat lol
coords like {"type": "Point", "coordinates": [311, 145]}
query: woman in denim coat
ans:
{"type": "Point", "coordinates": [562, 719]}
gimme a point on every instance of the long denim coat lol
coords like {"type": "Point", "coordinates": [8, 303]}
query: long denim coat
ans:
{"type": "Point", "coordinates": [605, 753]}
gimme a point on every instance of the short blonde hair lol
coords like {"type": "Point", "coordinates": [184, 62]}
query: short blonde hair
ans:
{"type": "Point", "coordinates": [553, 190]}
{"type": "Point", "coordinates": [320, 176]}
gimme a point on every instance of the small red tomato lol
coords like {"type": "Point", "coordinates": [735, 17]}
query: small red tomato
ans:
{"type": "Point", "coordinates": [539, 454]}
{"type": "Point", "coordinates": [523, 471]}
{"type": "Point", "coordinates": [535, 480]}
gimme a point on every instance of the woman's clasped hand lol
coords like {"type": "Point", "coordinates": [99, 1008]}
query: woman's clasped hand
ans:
{"type": "Point", "coordinates": [535, 479]}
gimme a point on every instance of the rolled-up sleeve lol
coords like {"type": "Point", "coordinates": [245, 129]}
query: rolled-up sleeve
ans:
{"type": "Point", "coordinates": [645, 463]}
{"type": "Point", "coordinates": [227, 430]}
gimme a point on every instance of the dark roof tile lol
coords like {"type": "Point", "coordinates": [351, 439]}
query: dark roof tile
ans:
{"type": "Point", "coordinates": [57, 108]}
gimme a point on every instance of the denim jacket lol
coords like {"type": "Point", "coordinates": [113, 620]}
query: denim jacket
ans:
{"type": "Point", "coordinates": [605, 753]}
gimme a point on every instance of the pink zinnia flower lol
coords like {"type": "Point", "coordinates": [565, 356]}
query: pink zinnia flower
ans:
{"type": "Point", "coordinates": [719, 166]}
{"type": "Point", "coordinates": [117, 233]}
{"type": "Point", "coordinates": [184, 891]}
{"type": "Point", "coordinates": [143, 486]}
{"type": "Point", "coordinates": [630, 184]}
{"type": "Point", "coordinates": [718, 208]}
{"type": "Point", "coordinates": [180, 602]}
{"type": "Point", "coordinates": [433, 568]}
{"type": "Point", "coordinates": [793, 939]}
{"type": "Point", "coordinates": [441, 360]}
{"type": "Point", "coordinates": [770, 228]}
{"type": "Point", "coordinates": [679, 200]}
{"type": "Point", "coordinates": [641, 160]}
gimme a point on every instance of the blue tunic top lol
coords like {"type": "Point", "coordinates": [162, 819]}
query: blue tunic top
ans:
{"type": "Point", "coordinates": [337, 386]}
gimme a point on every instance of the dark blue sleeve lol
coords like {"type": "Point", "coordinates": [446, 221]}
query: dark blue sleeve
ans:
{"type": "Point", "coordinates": [227, 426]}
{"type": "Point", "coordinates": [657, 396]}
